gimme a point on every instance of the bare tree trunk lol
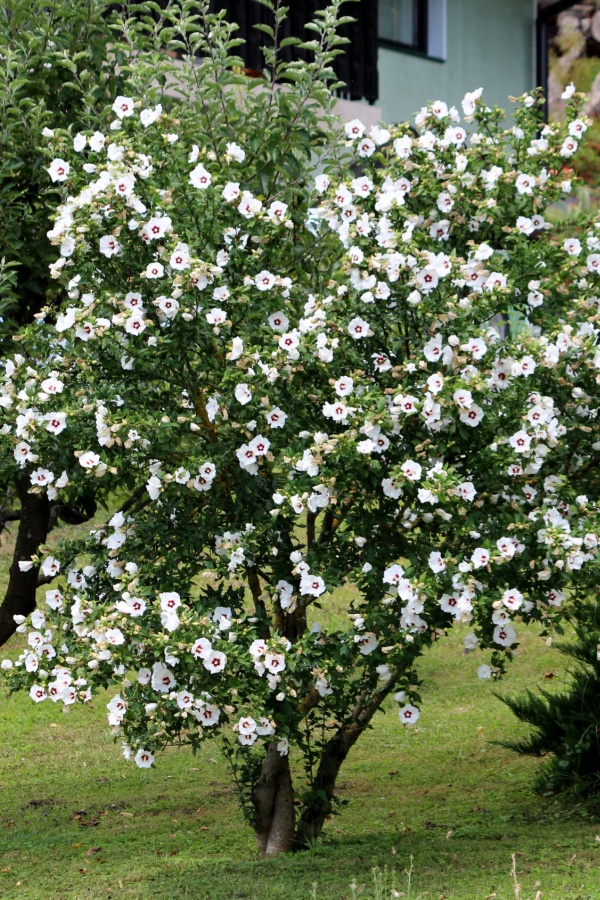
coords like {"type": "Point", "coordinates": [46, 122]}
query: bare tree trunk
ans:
{"type": "Point", "coordinates": [273, 800]}
{"type": "Point", "coordinates": [34, 525]}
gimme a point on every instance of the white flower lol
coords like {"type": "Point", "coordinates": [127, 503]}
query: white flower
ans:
{"type": "Point", "coordinates": [279, 321]}
{"type": "Point", "coordinates": [572, 246]}
{"type": "Point", "coordinates": [568, 92]}
{"type": "Point", "coordinates": [504, 635]}
{"type": "Point", "coordinates": [155, 270]}
{"type": "Point", "coordinates": [163, 679]}
{"type": "Point", "coordinates": [358, 328]}
{"type": "Point", "coordinates": [109, 246]}
{"type": "Point", "coordinates": [480, 557]}
{"type": "Point", "coordinates": [484, 672]}
{"type": "Point", "coordinates": [215, 661]}
{"type": "Point", "coordinates": [236, 152]}
{"type": "Point", "coordinates": [58, 170]}
{"type": "Point", "coordinates": [525, 184]}
{"type": "Point", "coordinates": [37, 692]}
{"type": "Point", "coordinates": [243, 394]}
{"type": "Point", "coordinates": [312, 585]}
{"type": "Point", "coordinates": [408, 714]}
{"type": "Point", "coordinates": [264, 281]}
{"type": "Point", "coordinates": [89, 460]}
{"type": "Point", "coordinates": [274, 662]}
{"type": "Point", "coordinates": [354, 129]}
{"type": "Point", "coordinates": [512, 599]}
{"type": "Point", "coordinates": [367, 642]}
{"type": "Point", "coordinates": [471, 416]}
{"type": "Point", "coordinates": [144, 759]}
{"type": "Point", "coordinates": [411, 470]}
{"type": "Point", "coordinates": [200, 178]}
{"type": "Point", "coordinates": [436, 562]}
{"type": "Point", "coordinates": [520, 441]}
{"type": "Point", "coordinates": [149, 116]}
{"type": "Point", "coordinates": [123, 107]}
{"type": "Point", "coordinates": [276, 417]}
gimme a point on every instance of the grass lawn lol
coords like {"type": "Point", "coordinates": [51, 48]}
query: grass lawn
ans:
{"type": "Point", "coordinates": [77, 821]}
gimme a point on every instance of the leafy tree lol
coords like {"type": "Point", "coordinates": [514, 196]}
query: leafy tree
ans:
{"type": "Point", "coordinates": [61, 65]}
{"type": "Point", "coordinates": [301, 383]}
{"type": "Point", "coordinates": [566, 723]}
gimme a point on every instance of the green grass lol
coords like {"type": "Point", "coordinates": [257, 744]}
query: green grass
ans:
{"type": "Point", "coordinates": [77, 821]}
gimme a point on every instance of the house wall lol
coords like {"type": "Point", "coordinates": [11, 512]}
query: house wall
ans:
{"type": "Point", "coordinates": [489, 44]}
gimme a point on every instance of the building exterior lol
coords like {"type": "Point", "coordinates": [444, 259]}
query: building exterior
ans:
{"type": "Point", "coordinates": [404, 53]}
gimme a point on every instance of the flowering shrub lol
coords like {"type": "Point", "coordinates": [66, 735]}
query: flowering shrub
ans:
{"type": "Point", "coordinates": [303, 382]}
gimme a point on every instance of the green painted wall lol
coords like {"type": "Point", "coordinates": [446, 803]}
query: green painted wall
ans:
{"type": "Point", "coordinates": [489, 45]}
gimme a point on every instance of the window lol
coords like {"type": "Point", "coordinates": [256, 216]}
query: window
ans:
{"type": "Point", "coordinates": [417, 26]}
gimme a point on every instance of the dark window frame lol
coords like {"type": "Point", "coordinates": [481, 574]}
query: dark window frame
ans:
{"type": "Point", "coordinates": [419, 46]}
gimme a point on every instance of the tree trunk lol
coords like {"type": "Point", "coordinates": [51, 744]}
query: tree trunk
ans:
{"type": "Point", "coordinates": [335, 752]}
{"type": "Point", "coordinates": [33, 531]}
{"type": "Point", "coordinates": [273, 800]}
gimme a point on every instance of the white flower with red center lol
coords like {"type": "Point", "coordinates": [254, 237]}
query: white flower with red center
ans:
{"type": "Point", "coordinates": [155, 270]}
{"type": "Point", "coordinates": [444, 202]}
{"type": "Point", "coordinates": [344, 386]}
{"type": "Point", "coordinates": [163, 679]}
{"type": "Point", "coordinates": [243, 394]}
{"type": "Point", "coordinates": [180, 257]}
{"type": "Point", "coordinates": [156, 228]}
{"type": "Point", "coordinates": [97, 142]}
{"type": "Point", "coordinates": [507, 547]}
{"type": "Point", "coordinates": [202, 648]}
{"type": "Point", "coordinates": [409, 714]}
{"type": "Point", "coordinates": [362, 186]}
{"type": "Point", "coordinates": [123, 107]}
{"type": "Point", "coordinates": [471, 416]}
{"type": "Point", "coordinates": [520, 442]}
{"type": "Point", "coordinates": [406, 403]}
{"type": "Point", "coordinates": [336, 411]}
{"type": "Point", "coordinates": [215, 662]}
{"type": "Point", "coordinates": [321, 183]}
{"type": "Point", "coordinates": [343, 196]}
{"type": "Point", "coordinates": [572, 246]}
{"type": "Point", "coordinates": [358, 328]}
{"type": "Point", "coordinates": [144, 759]}
{"type": "Point", "coordinates": [555, 597]}
{"type": "Point", "coordinates": [56, 422]}
{"type": "Point", "coordinates": [221, 293]}
{"type": "Point", "coordinates": [463, 398]}
{"type": "Point", "coordinates": [480, 557]}
{"type": "Point", "coordinates": [449, 604]}
{"type": "Point", "coordinates": [260, 445]}
{"type": "Point", "coordinates": [525, 225]}
{"type": "Point", "coordinates": [403, 147]}
{"type": "Point", "coordinates": [393, 574]}
{"type": "Point", "coordinates": [115, 636]}
{"type": "Point", "coordinates": [289, 341]}
{"type": "Point", "coordinates": [89, 460]}
{"type": "Point", "coordinates": [257, 648]}
{"type": "Point", "coordinates": [58, 170]}
{"type": "Point", "coordinates": [23, 454]}
{"type": "Point", "coordinates": [525, 184]}
{"type": "Point", "coordinates": [249, 206]}
{"type": "Point", "coordinates": [569, 146]}
{"type": "Point", "coordinates": [411, 470]}
{"type": "Point", "coordinates": [200, 178]}
{"type": "Point", "coordinates": [279, 321]}
{"type": "Point", "coordinates": [367, 642]}
{"type": "Point", "coordinates": [391, 488]}
{"type": "Point", "coordinates": [274, 662]}
{"type": "Point", "coordinates": [354, 129]}
{"type": "Point", "coordinates": [208, 715]}
{"type": "Point", "coordinates": [169, 601]}
{"type": "Point", "coordinates": [247, 459]}
{"type": "Point", "coordinates": [185, 700]}
{"type": "Point", "coordinates": [37, 693]}
{"type": "Point", "coordinates": [124, 185]}
{"type": "Point", "coordinates": [52, 385]}
{"type": "Point", "coordinates": [231, 191]}
{"type": "Point", "coordinates": [264, 281]}
{"type": "Point", "coordinates": [366, 147]}
{"type": "Point", "coordinates": [436, 562]}
{"type": "Point", "coordinates": [277, 211]}
{"type": "Point", "coordinates": [593, 262]}
{"type": "Point", "coordinates": [505, 635]}
{"type": "Point", "coordinates": [109, 246]}
{"type": "Point", "coordinates": [133, 301]}
{"type": "Point", "coordinates": [512, 599]}
{"type": "Point", "coordinates": [466, 490]}
{"type": "Point", "coordinates": [216, 316]}
{"type": "Point", "coordinates": [135, 324]}
{"type": "Point", "coordinates": [312, 585]}
{"type": "Point", "coordinates": [276, 417]}
{"type": "Point", "coordinates": [168, 306]}
{"type": "Point", "coordinates": [427, 279]}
